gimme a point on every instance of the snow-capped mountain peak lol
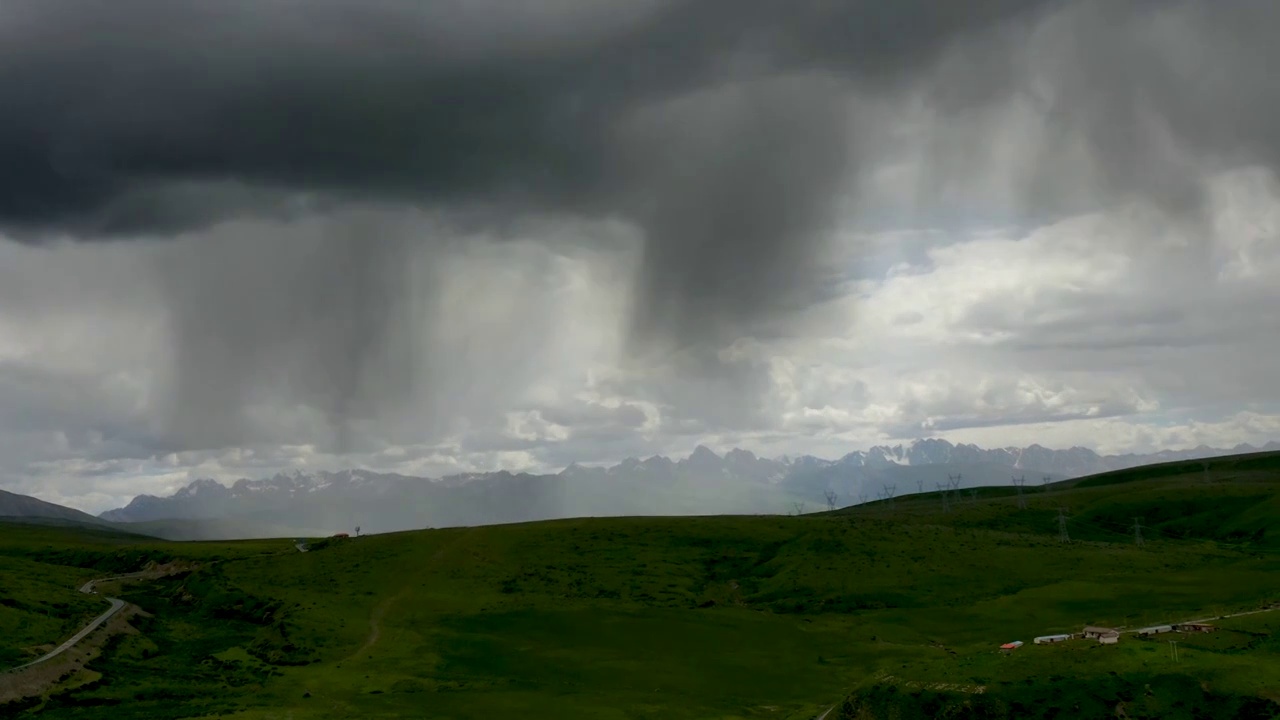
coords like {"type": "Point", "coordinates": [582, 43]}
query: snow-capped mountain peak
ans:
{"type": "Point", "coordinates": [704, 482]}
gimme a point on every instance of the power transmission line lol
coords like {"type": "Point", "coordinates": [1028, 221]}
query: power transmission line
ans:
{"type": "Point", "coordinates": [1047, 479]}
{"type": "Point", "coordinates": [889, 492]}
{"type": "Point", "coordinates": [944, 491]}
{"type": "Point", "coordinates": [1018, 482]}
{"type": "Point", "coordinates": [1063, 536]}
{"type": "Point", "coordinates": [1137, 531]}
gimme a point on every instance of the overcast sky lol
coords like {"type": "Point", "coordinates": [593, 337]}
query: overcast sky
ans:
{"type": "Point", "coordinates": [431, 237]}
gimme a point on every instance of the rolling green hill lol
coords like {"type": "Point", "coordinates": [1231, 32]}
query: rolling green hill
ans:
{"type": "Point", "coordinates": [884, 610]}
{"type": "Point", "coordinates": [43, 565]}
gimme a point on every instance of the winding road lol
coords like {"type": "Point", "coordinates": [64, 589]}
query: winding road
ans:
{"type": "Point", "coordinates": [116, 606]}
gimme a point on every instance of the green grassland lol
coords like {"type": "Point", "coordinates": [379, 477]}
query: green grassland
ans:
{"type": "Point", "coordinates": [894, 609]}
{"type": "Point", "coordinates": [39, 603]}
{"type": "Point", "coordinates": [39, 598]}
{"type": "Point", "coordinates": [43, 565]}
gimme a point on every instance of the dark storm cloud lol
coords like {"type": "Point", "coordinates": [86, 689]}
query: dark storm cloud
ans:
{"type": "Point", "coordinates": [109, 105]}
{"type": "Point", "coordinates": [422, 97]}
{"type": "Point", "coordinates": [724, 128]}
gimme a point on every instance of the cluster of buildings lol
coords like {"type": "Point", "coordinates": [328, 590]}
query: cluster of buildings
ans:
{"type": "Point", "coordinates": [1104, 635]}
{"type": "Point", "coordinates": [1111, 636]}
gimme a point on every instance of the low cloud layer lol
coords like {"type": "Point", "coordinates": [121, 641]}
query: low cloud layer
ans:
{"type": "Point", "coordinates": [538, 232]}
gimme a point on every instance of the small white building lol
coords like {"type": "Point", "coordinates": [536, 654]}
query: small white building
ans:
{"type": "Point", "coordinates": [1051, 639]}
{"type": "Point", "coordinates": [1093, 632]}
{"type": "Point", "coordinates": [1110, 638]}
{"type": "Point", "coordinates": [1155, 630]}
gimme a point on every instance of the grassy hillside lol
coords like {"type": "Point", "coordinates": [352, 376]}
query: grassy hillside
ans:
{"type": "Point", "coordinates": [893, 606]}
{"type": "Point", "coordinates": [1234, 504]}
{"type": "Point", "coordinates": [43, 565]}
{"type": "Point", "coordinates": [39, 598]}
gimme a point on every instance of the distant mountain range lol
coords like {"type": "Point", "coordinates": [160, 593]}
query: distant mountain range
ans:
{"type": "Point", "coordinates": [703, 483]}
{"type": "Point", "coordinates": [1073, 462]}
